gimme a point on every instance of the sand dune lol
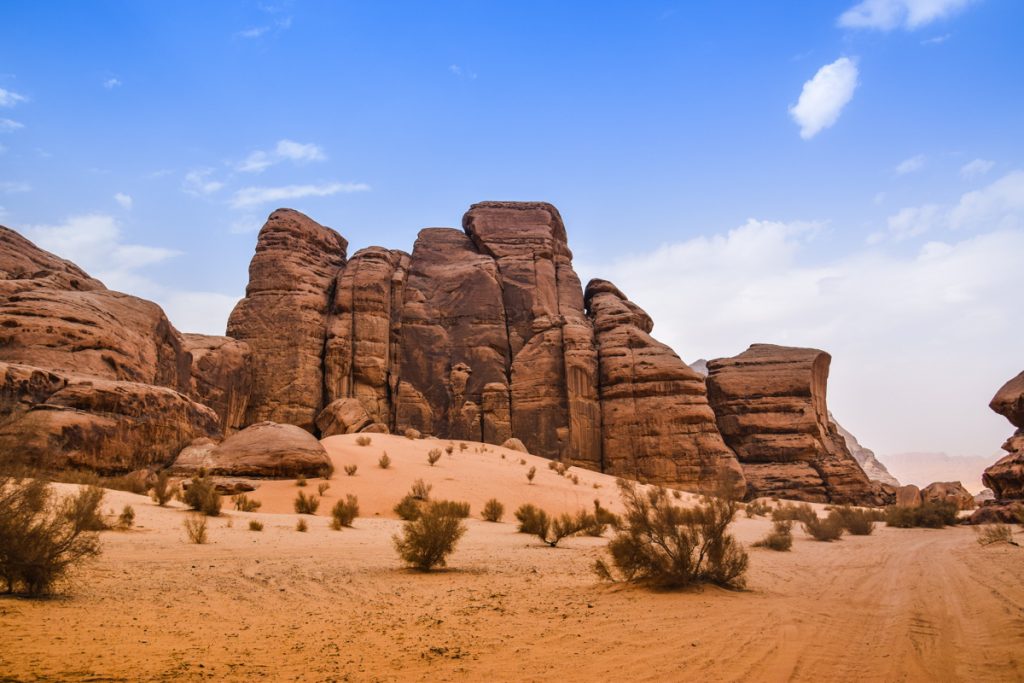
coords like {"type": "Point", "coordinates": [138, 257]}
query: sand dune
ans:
{"type": "Point", "coordinates": [900, 605]}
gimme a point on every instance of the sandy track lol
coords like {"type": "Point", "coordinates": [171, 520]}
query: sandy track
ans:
{"type": "Point", "coordinates": [900, 605]}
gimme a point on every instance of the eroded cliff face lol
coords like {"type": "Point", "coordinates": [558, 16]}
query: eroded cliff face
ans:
{"type": "Point", "coordinates": [771, 410]}
{"type": "Point", "coordinates": [1006, 476]}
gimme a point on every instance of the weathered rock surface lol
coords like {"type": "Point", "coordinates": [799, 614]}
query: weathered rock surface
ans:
{"type": "Point", "coordinates": [57, 420]}
{"type": "Point", "coordinates": [343, 416]}
{"type": "Point", "coordinates": [948, 492]}
{"type": "Point", "coordinates": [221, 377]}
{"type": "Point", "coordinates": [865, 457]}
{"type": "Point", "coordinates": [283, 317]}
{"type": "Point", "coordinates": [1006, 476]}
{"type": "Point", "coordinates": [515, 445]}
{"type": "Point", "coordinates": [770, 406]}
{"type": "Point", "coordinates": [195, 456]}
{"type": "Point", "coordinates": [265, 449]}
{"type": "Point", "coordinates": [656, 422]}
{"type": "Point", "coordinates": [908, 496]}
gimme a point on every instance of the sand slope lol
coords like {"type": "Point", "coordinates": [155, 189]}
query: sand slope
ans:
{"type": "Point", "coordinates": [279, 605]}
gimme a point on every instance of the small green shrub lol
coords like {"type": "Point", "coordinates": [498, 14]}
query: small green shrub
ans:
{"type": "Point", "coordinates": [780, 538]}
{"type": "Point", "coordinates": [195, 528]}
{"type": "Point", "coordinates": [302, 526]}
{"type": "Point", "coordinates": [532, 520]}
{"type": "Point", "coordinates": [794, 513]}
{"type": "Point", "coordinates": [322, 487]}
{"type": "Point", "coordinates": [384, 462]}
{"type": "Point", "coordinates": [931, 515]}
{"type": "Point", "coordinates": [855, 521]}
{"type": "Point", "coordinates": [306, 505]}
{"type": "Point", "coordinates": [827, 530]}
{"type": "Point", "coordinates": [351, 470]}
{"type": "Point", "coordinates": [449, 449]}
{"type": "Point", "coordinates": [493, 510]}
{"type": "Point", "coordinates": [433, 456]}
{"type": "Point", "coordinates": [244, 503]}
{"type": "Point", "coordinates": [201, 495]}
{"type": "Point", "coordinates": [344, 512]}
{"type": "Point", "coordinates": [163, 489]}
{"type": "Point", "coordinates": [420, 490]}
{"type": "Point", "coordinates": [255, 525]}
{"type": "Point", "coordinates": [454, 508]}
{"type": "Point", "coordinates": [408, 508]}
{"type": "Point", "coordinates": [363, 441]}
{"type": "Point", "coordinates": [427, 541]}
{"type": "Point", "coordinates": [127, 517]}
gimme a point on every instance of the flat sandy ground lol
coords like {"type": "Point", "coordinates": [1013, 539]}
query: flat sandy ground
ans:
{"type": "Point", "coordinates": [279, 605]}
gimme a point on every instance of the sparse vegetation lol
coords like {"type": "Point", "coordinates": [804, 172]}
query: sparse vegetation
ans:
{"type": "Point", "coordinates": [932, 515]}
{"type": "Point", "coordinates": [411, 433]}
{"type": "Point", "coordinates": [195, 528]}
{"type": "Point", "coordinates": [301, 526]}
{"type": "Point", "coordinates": [344, 512]}
{"type": "Point", "coordinates": [463, 446]}
{"type": "Point", "coordinates": [827, 530]}
{"type": "Point", "coordinates": [856, 521]}
{"type": "Point", "coordinates": [794, 513]}
{"type": "Point", "coordinates": [244, 503]}
{"type": "Point", "coordinates": [351, 470]}
{"type": "Point", "coordinates": [322, 487]}
{"type": "Point", "coordinates": [530, 474]}
{"type": "Point", "coordinates": [408, 508]}
{"type": "Point", "coordinates": [427, 541]}
{"type": "Point", "coordinates": [532, 519]}
{"type": "Point", "coordinates": [420, 490]}
{"type": "Point", "coordinates": [300, 480]}
{"type": "Point", "coordinates": [662, 545]}
{"type": "Point", "coordinates": [780, 538]}
{"type": "Point", "coordinates": [553, 529]}
{"type": "Point", "coordinates": [163, 489]}
{"type": "Point", "coordinates": [449, 449]}
{"type": "Point", "coordinates": [384, 462]}
{"type": "Point", "coordinates": [757, 508]}
{"type": "Point", "coordinates": [201, 495]}
{"type": "Point", "coordinates": [306, 505]}
{"type": "Point", "coordinates": [327, 471]}
{"type": "Point", "coordinates": [604, 516]}
{"type": "Point", "coordinates": [455, 508]}
{"type": "Point", "coordinates": [363, 441]}
{"type": "Point", "coordinates": [493, 510]}
{"type": "Point", "coordinates": [575, 479]}
{"type": "Point", "coordinates": [127, 517]}
{"type": "Point", "coordinates": [255, 525]}
{"type": "Point", "coordinates": [995, 533]}
{"type": "Point", "coordinates": [433, 456]}
{"type": "Point", "coordinates": [42, 537]}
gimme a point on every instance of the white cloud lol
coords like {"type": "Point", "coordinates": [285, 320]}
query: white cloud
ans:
{"type": "Point", "coordinates": [914, 163]}
{"type": "Point", "coordinates": [254, 196]}
{"type": "Point", "coordinates": [914, 220]}
{"type": "Point", "coordinates": [8, 125]}
{"type": "Point", "coordinates": [286, 150]}
{"type": "Point", "coordinates": [975, 168]}
{"type": "Point", "coordinates": [997, 206]}
{"type": "Point", "coordinates": [9, 98]}
{"type": "Point", "coordinates": [886, 15]}
{"type": "Point", "coordinates": [198, 182]}
{"type": "Point", "coordinates": [111, 83]}
{"type": "Point", "coordinates": [125, 200]}
{"type": "Point", "coordinates": [254, 32]}
{"type": "Point", "coordinates": [459, 72]}
{"type": "Point", "coordinates": [247, 223]}
{"type": "Point", "coordinates": [203, 312]}
{"type": "Point", "coordinates": [14, 187]}
{"type": "Point", "coordinates": [824, 96]}
{"type": "Point", "coordinates": [937, 40]}
{"type": "Point", "coordinates": [920, 340]}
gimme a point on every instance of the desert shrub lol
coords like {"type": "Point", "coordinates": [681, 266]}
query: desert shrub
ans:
{"type": "Point", "coordinates": [408, 508]}
{"type": "Point", "coordinates": [327, 471]}
{"type": "Point", "coordinates": [794, 513]}
{"type": "Point", "coordinates": [195, 528]}
{"type": "Point", "coordinates": [43, 537]}
{"type": "Point", "coordinates": [255, 525]}
{"type": "Point", "coordinates": [433, 456]}
{"type": "Point", "coordinates": [384, 462]}
{"type": "Point", "coordinates": [306, 505]}
{"type": "Point", "coordinates": [757, 508]}
{"type": "Point", "coordinates": [780, 538]}
{"type": "Point", "coordinates": [522, 461]}
{"type": "Point", "coordinates": [553, 465]}
{"type": "Point", "coordinates": [351, 470]}
{"type": "Point", "coordinates": [420, 490]}
{"type": "Point", "coordinates": [86, 508]}
{"type": "Point", "coordinates": [344, 512]}
{"type": "Point", "coordinates": [300, 480]}
{"type": "Point", "coordinates": [530, 474]}
{"type": "Point", "coordinates": [493, 510]}
{"type": "Point", "coordinates": [201, 495]}
{"type": "Point", "coordinates": [449, 449]}
{"type": "Point", "coordinates": [427, 541]}
{"type": "Point", "coordinates": [554, 529]}
{"type": "Point", "coordinates": [463, 446]}
{"type": "Point", "coordinates": [454, 508]}
{"type": "Point", "coordinates": [828, 529]}
{"type": "Point", "coordinates": [603, 518]}
{"type": "Point", "coordinates": [322, 487]}
{"type": "Point", "coordinates": [127, 517]}
{"type": "Point", "coordinates": [244, 503]}
{"type": "Point", "coordinates": [995, 533]}
{"type": "Point", "coordinates": [363, 441]}
{"type": "Point", "coordinates": [301, 526]}
{"type": "Point", "coordinates": [163, 490]}
{"type": "Point", "coordinates": [411, 433]}
{"type": "Point", "coordinates": [855, 521]}
{"type": "Point", "coordinates": [666, 546]}
{"type": "Point", "coordinates": [933, 515]}
{"type": "Point", "coordinates": [532, 520]}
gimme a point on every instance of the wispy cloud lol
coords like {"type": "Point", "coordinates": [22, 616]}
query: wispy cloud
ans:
{"type": "Point", "coordinates": [14, 187]}
{"type": "Point", "coordinates": [9, 98]}
{"type": "Point", "coordinates": [124, 200]}
{"type": "Point", "coordinates": [254, 32]}
{"type": "Point", "coordinates": [975, 168]}
{"type": "Point", "coordinates": [937, 40]}
{"type": "Point", "coordinates": [111, 83]}
{"type": "Point", "coordinates": [824, 96]}
{"type": "Point", "coordinates": [254, 196]}
{"type": "Point", "coordinates": [8, 125]}
{"type": "Point", "coordinates": [885, 15]}
{"type": "Point", "coordinates": [459, 72]}
{"type": "Point", "coordinates": [199, 182]}
{"type": "Point", "coordinates": [286, 150]}
{"type": "Point", "coordinates": [911, 165]}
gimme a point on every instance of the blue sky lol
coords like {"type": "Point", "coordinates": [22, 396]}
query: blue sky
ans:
{"type": "Point", "coordinates": [836, 174]}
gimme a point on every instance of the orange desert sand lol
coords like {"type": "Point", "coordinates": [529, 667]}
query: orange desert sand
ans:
{"type": "Point", "coordinates": [279, 605]}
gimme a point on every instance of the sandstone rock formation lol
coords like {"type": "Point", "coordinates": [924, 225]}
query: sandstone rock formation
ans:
{"type": "Point", "coordinates": [1006, 477]}
{"type": "Point", "coordinates": [515, 445]}
{"type": "Point", "coordinates": [265, 449]}
{"type": "Point", "coordinates": [343, 416]}
{"type": "Point", "coordinates": [908, 496]}
{"type": "Point", "coordinates": [770, 406]}
{"type": "Point", "coordinates": [221, 377]}
{"type": "Point", "coordinates": [865, 457]}
{"type": "Point", "coordinates": [948, 492]}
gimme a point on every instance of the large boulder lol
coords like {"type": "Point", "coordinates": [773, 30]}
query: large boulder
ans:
{"type": "Point", "coordinates": [283, 317]}
{"type": "Point", "coordinates": [265, 449]}
{"type": "Point", "coordinates": [221, 377]}
{"type": "Point", "coordinates": [771, 409]}
{"type": "Point", "coordinates": [948, 492]}
{"type": "Point", "coordinates": [343, 416]}
{"type": "Point", "coordinates": [1006, 476]}
{"type": "Point", "coordinates": [908, 496]}
{"type": "Point", "coordinates": [55, 420]}
{"type": "Point", "coordinates": [656, 424]}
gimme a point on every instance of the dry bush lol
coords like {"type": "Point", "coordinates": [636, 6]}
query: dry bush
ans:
{"type": "Point", "coordinates": [780, 538]}
{"type": "Point", "coordinates": [344, 512]}
{"type": "Point", "coordinates": [532, 520]}
{"type": "Point", "coordinates": [662, 545]}
{"type": "Point", "coordinates": [757, 508]}
{"type": "Point", "coordinates": [433, 456]}
{"type": "Point", "coordinates": [351, 470]}
{"type": "Point", "coordinates": [493, 510]}
{"type": "Point", "coordinates": [932, 515]}
{"type": "Point", "coordinates": [411, 433]}
{"type": "Point", "coordinates": [553, 465]}
{"type": "Point", "coordinates": [827, 530]}
{"type": "Point", "coordinates": [420, 490]}
{"type": "Point", "coordinates": [530, 474]}
{"type": "Point", "coordinates": [522, 461]}
{"type": "Point", "coordinates": [195, 527]}
{"type": "Point", "coordinates": [255, 525]}
{"type": "Point", "coordinates": [327, 471]}
{"type": "Point", "coordinates": [201, 495]}
{"type": "Point", "coordinates": [995, 533]}
{"type": "Point", "coordinates": [300, 480]}
{"type": "Point", "coordinates": [302, 526]}
{"type": "Point", "coordinates": [794, 513]}
{"type": "Point", "coordinates": [449, 449]}
{"type": "Point", "coordinates": [244, 503]}
{"type": "Point", "coordinates": [384, 462]}
{"type": "Point", "coordinates": [856, 521]}
{"type": "Point", "coordinates": [454, 508]}
{"type": "Point", "coordinates": [463, 446]}
{"type": "Point", "coordinates": [322, 487]}
{"type": "Point", "coordinates": [43, 537]}
{"type": "Point", "coordinates": [163, 489]}
{"type": "Point", "coordinates": [427, 541]}
{"type": "Point", "coordinates": [408, 508]}
{"type": "Point", "coordinates": [127, 517]}
{"type": "Point", "coordinates": [306, 505]}
{"type": "Point", "coordinates": [575, 479]}
{"type": "Point", "coordinates": [603, 518]}
{"type": "Point", "coordinates": [551, 530]}
{"type": "Point", "coordinates": [363, 441]}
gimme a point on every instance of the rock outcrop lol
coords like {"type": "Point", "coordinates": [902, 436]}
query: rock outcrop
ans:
{"type": "Point", "coordinates": [343, 416]}
{"type": "Point", "coordinates": [948, 492]}
{"type": "Point", "coordinates": [908, 496]}
{"type": "Point", "coordinates": [265, 449]}
{"type": "Point", "coordinates": [865, 457]}
{"type": "Point", "coordinates": [770, 406]}
{"type": "Point", "coordinates": [221, 377]}
{"type": "Point", "coordinates": [1006, 477]}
